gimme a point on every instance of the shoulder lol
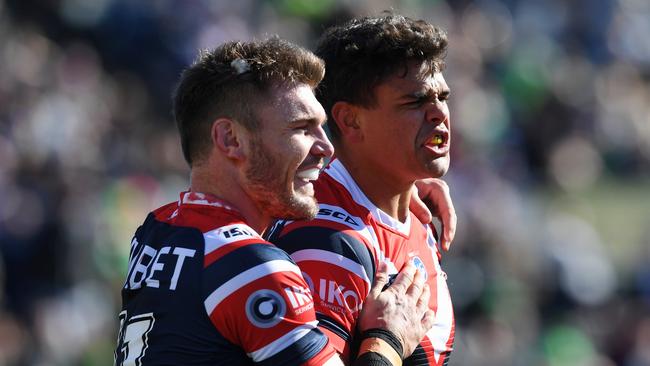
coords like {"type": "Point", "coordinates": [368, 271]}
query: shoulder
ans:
{"type": "Point", "coordinates": [236, 257]}
{"type": "Point", "coordinates": [335, 238]}
{"type": "Point", "coordinates": [238, 245]}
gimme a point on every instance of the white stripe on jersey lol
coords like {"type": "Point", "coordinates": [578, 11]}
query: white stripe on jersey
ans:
{"type": "Point", "coordinates": [331, 258]}
{"type": "Point", "coordinates": [246, 277]}
{"type": "Point", "coordinates": [282, 342]}
{"type": "Point", "coordinates": [224, 235]}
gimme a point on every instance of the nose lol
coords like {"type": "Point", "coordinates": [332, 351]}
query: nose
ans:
{"type": "Point", "coordinates": [438, 113]}
{"type": "Point", "coordinates": [322, 146]}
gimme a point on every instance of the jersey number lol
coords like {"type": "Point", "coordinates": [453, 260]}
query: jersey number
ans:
{"type": "Point", "coordinates": [132, 339]}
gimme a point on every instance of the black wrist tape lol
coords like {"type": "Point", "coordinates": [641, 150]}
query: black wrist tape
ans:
{"type": "Point", "coordinates": [372, 359]}
{"type": "Point", "coordinates": [385, 335]}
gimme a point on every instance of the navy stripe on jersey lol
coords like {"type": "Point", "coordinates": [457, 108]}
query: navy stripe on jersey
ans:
{"type": "Point", "coordinates": [299, 351]}
{"type": "Point", "coordinates": [333, 326]}
{"type": "Point", "coordinates": [417, 358]}
{"type": "Point", "coordinates": [240, 260]}
{"type": "Point", "coordinates": [272, 233]}
{"type": "Point", "coordinates": [330, 240]}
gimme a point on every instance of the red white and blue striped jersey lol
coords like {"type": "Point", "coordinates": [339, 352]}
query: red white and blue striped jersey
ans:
{"type": "Point", "coordinates": [203, 288]}
{"type": "Point", "coordinates": [340, 249]}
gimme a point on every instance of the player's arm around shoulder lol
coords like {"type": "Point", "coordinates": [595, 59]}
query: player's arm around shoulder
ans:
{"type": "Point", "coordinates": [256, 298]}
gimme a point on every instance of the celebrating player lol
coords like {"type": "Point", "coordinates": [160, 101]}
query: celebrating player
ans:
{"type": "Point", "coordinates": [203, 287]}
{"type": "Point", "coordinates": [386, 100]}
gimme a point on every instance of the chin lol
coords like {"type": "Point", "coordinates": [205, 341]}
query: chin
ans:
{"type": "Point", "coordinates": [307, 207]}
{"type": "Point", "coordinates": [438, 167]}
{"type": "Point", "coordinates": [298, 207]}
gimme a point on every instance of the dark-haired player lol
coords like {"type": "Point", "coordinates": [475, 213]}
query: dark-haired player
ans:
{"type": "Point", "coordinates": [386, 100]}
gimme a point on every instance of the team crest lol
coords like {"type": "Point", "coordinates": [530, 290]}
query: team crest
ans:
{"type": "Point", "coordinates": [420, 265]}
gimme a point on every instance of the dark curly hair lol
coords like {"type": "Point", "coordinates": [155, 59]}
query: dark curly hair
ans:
{"type": "Point", "coordinates": [230, 81]}
{"type": "Point", "coordinates": [361, 53]}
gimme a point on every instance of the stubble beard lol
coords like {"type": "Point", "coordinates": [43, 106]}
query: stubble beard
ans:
{"type": "Point", "coordinates": [271, 192]}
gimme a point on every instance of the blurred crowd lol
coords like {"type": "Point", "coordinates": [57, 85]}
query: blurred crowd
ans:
{"type": "Point", "coordinates": [550, 165]}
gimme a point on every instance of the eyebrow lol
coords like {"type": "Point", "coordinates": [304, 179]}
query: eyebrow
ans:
{"type": "Point", "coordinates": [308, 120]}
{"type": "Point", "coordinates": [429, 93]}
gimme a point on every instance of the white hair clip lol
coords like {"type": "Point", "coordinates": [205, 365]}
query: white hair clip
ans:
{"type": "Point", "coordinates": [240, 65]}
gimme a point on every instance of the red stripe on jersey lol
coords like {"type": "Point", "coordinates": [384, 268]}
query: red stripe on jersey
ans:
{"type": "Point", "coordinates": [218, 253]}
{"type": "Point", "coordinates": [166, 213]}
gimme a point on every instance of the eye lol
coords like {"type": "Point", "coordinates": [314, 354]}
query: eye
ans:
{"type": "Point", "coordinates": [418, 102]}
{"type": "Point", "coordinates": [300, 127]}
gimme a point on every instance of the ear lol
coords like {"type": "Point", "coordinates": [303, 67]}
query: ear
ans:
{"type": "Point", "coordinates": [345, 116]}
{"type": "Point", "coordinates": [227, 137]}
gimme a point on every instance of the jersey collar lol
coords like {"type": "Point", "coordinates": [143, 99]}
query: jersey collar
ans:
{"type": "Point", "coordinates": [207, 199]}
{"type": "Point", "coordinates": [338, 172]}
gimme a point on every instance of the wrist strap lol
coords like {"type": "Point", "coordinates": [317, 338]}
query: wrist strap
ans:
{"type": "Point", "coordinates": [383, 342]}
{"type": "Point", "coordinates": [372, 359]}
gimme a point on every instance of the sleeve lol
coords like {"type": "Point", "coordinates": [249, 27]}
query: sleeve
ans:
{"type": "Point", "coordinates": [257, 299]}
{"type": "Point", "coordinates": [338, 267]}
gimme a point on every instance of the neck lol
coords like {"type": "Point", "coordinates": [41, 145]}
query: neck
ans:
{"type": "Point", "coordinates": [224, 185]}
{"type": "Point", "coordinates": [391, 194]}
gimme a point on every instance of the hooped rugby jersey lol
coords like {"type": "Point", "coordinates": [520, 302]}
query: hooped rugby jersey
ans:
{"type": "Point", "coordinates": [340, 249]}
{"type": "Point", "coordinates": [203, 288]}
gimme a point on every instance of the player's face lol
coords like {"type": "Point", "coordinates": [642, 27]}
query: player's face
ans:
{"type": "Point", "coordinates": [408, 131]}
{"type": "Point", "coordinates": [287, 153]}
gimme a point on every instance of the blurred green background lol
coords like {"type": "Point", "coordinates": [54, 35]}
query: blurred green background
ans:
{"type": "Point", "coordinates": [550, 165]}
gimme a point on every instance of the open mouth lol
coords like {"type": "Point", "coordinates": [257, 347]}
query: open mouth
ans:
{"type": "Point", "coordinates": [439, 140]}
{"type": "Point", "coordinates": [308, 174]}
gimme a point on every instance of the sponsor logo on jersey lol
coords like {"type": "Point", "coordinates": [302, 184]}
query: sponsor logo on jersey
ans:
{"type": "Point", "coordinates": [225, 235]}
{"type": "Point", "coordinates": [148, 266]}
{"type": "Point", "coordinates": [300, 298]}
{"type": "Point", "coordinates": [334, 296]}
{"type": "Point", "coordinates": [265, 308]}
{"type": "Point", "coordinates": [334, 213]}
